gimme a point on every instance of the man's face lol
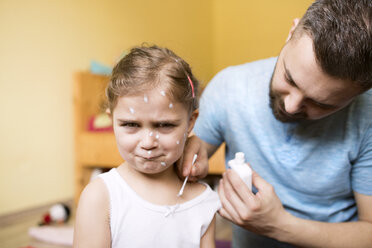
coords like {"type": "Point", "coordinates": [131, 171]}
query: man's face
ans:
{"type": "Point", "coordinates": [300, 90]}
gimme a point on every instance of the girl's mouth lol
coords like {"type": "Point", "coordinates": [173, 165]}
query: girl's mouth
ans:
{"type": "Point", "coordinates": [149, 157]}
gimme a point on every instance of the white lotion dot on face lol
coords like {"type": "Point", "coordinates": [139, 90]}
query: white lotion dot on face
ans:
{"type": "Point", "coordinates": [149, 152]}
{"type": "Point", "coordinates": [162, 93]}
{"type": "Point", "coordinates": [131, 110]}
{"type": "Point", "coordinates": [157, 136]}
{"type": "Point", "coordinates": [163, 163]}
{"type": "Point", "coordinates": [145, 99]}
{"type": "Point", "coordinates": [150, 134]}
{"type": "Point", "coordinates": [177, 142]}
{"type": "Point", "coordinates": [170, 105]}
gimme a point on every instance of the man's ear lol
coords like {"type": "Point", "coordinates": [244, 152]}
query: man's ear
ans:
{"type": "Point", "coordinates": [294, 25]}
{"type": "Point", "coordinates": [192, 120]}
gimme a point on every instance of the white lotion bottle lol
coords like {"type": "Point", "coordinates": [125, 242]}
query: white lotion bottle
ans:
{"type": "Point", "coordinates": [244, 171]}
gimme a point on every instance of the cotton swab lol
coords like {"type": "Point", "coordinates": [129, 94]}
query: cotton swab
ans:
{"type": "Point", "coordinates": [184, 182]}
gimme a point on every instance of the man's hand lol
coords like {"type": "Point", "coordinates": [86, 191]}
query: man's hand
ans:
{"type": "Point", "coordinates": [193, 146]}
{"type": "Point", "coordinates": [261, 213]}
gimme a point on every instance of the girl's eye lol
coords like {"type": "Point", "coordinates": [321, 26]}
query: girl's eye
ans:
{"type": "Point", "coordinates": [129, 124]}
{"type": "Point", "coordinates": [165, 125]}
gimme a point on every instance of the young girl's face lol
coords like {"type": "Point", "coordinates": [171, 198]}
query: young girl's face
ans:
{"type": "Point", "coordinates": [151, 130]}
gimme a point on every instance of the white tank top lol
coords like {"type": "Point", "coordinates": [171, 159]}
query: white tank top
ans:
{"type": "Point", "coordinates": [135, 222]}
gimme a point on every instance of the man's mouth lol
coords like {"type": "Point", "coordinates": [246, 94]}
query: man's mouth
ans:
{"type": "Point", "coordinates": [283, 112]}
{"type": "Point", "coordinates": [292, 117]}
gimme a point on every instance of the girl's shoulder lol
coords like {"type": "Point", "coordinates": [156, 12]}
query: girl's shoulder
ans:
{"type": "Point", "coordinates": [92, 217]}
{"type": "Point", "coordinates": [201, 196]}
{"type": "Point", "coordinates": [95, 195]}
{"type": "Point", "coordinates": [196, 189]}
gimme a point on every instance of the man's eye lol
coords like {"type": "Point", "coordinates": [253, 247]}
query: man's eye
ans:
{"type": "Point", "coordinates": [289, 80]}
{"type": "Point", "coordinates": [323, 106]}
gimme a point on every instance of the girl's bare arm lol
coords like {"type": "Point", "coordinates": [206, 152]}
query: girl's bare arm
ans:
{"type": "Point", "coordinates": [208, 240]}
{"type": "Point", "coordinates": [92, 225]}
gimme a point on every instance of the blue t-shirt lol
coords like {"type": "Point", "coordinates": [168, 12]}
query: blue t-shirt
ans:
{"type": "Point", "coordinates": [313, 166]}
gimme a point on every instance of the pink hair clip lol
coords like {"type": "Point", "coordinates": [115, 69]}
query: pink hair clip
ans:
{"type": "Point", "coordinates": [188, 77]}
{"type": "Point", "coordinates": [192, 86]}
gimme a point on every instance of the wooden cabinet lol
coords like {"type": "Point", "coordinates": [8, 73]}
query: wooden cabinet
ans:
{"type": "Point", "coordinates": [98, 149]}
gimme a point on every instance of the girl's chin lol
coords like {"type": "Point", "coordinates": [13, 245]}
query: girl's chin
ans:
{"type": "Point", "coordinates": [151, 167]}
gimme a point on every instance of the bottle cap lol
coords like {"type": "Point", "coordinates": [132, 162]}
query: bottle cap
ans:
{"type": "Point", "coordinates": [239, 157]}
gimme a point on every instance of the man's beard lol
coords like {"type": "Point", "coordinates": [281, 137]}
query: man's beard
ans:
{"type": "Point", "coordinates": [278, 108]}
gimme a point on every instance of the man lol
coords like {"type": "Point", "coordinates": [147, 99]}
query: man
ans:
{"type": "Point", "coordinates": [304, 122]}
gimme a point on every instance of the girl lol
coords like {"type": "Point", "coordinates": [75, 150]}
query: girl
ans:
{"type": "Point", "coordinates": [151, 98]}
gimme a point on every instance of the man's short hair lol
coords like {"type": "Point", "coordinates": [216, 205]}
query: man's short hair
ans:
{"type": "Point", "coordinates": [341, 31]}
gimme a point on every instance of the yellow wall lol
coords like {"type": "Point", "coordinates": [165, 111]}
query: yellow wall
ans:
{"type": "Point", "coordinates": [248, 30]}
{"type": "Point", "coordinates": [42, 42]}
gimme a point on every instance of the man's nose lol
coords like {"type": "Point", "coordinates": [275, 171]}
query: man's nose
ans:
{"type": "Point", "coordinates": [294, 102]}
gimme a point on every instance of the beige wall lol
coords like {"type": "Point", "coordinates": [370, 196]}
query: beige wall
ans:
{"type": "Point", "coordinates": [43, 42]}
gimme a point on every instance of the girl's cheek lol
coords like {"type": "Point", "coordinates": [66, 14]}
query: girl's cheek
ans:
{"type": "Point", "coordinates": [126, 141]}
{"type": "Point", "coordinates": [172, 140]}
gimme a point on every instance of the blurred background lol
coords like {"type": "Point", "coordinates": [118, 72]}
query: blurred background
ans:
{"type": "Point", "coordinates": [44, 42]}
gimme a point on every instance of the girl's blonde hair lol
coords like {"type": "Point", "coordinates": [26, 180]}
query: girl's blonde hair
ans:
{"type": "Point", "coordinates": [146, 67]}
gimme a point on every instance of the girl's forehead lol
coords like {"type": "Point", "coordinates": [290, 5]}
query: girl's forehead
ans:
{"type": "Point", "coordinates": [160, 93]}
{"type": "Point", "coordinates": [152, 109]}
{"type": "Point", "coordinates": [155, 100]}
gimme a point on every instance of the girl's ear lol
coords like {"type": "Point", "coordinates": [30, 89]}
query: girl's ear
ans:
{"type": "Point", "coordinates": [108, 112]}
{"type": "Point", "coordinates": [193, 117]}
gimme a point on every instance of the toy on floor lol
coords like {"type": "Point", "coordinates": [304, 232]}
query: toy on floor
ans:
{"type": "Point", "coordinates": [57, 214]}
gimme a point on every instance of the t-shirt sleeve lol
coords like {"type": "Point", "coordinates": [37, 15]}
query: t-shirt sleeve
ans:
{"type": "Point", "coordinates": [361, 175]}
{"type": "Point", "coordinates": [210, 206]}
{"type": "Point", "coordinates": [212, 117]}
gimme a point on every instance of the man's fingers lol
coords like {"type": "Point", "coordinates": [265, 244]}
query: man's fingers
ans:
{"type": "Point", "coordinates": [194, 174]}
{"type": "Point", "coordinates": [227, 211]}
{"type": "Point", "coordinates": [241, 198]}
{"type": "Point", "coordinates": [240, 187]}
{"type": "Point", "coordinates": [225, 214]}
{"type": "Point", "coordinates": [192, 147]}
{"type": "Point", "coordinates": [260, 183]}
{"type": "Point", "coordinates": [198, 170]}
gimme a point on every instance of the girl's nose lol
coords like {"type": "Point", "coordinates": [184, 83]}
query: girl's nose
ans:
{"type": "Point", "coordinates": [293, 103]}
{"type": "Point", "coordinates": [149, 140]}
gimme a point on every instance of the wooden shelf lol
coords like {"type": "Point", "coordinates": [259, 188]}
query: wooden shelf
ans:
{"type": "Point", "coordinates": [98, 150]}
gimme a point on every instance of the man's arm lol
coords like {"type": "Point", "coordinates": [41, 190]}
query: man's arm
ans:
{"type": "Point", "coordinates": [346, 234]}
{"type": "Point", "coordinates": [264, 214]}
